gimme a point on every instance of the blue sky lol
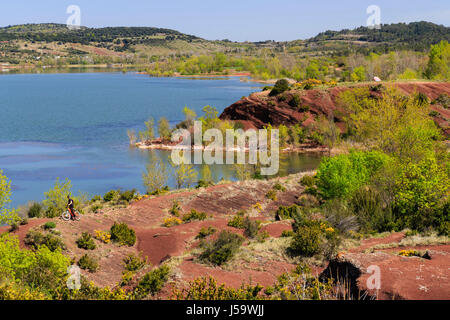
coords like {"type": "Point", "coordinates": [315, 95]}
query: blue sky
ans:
{"type": "Point", "coordinates": [237, 20]}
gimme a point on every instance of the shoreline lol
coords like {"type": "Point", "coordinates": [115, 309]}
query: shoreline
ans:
{"type": "Point", "coordinates": [304, 148]}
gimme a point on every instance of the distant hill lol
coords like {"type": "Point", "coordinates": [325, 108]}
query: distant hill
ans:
{"type": "Point", "coordinates": [31, 43]}
{"type": "Point", "coordinates": [413, 36]}
{"type": "Point", "coordinates": [51, 32]}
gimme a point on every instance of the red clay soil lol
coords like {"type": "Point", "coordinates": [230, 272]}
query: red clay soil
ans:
{"type": "Point", "coordinates": [408, 278]}
{"type": "Point", "coordinates": [258, 109]}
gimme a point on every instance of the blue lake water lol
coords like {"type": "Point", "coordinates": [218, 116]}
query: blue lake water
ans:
{"type": "Point", "coordinates": [74, 126]}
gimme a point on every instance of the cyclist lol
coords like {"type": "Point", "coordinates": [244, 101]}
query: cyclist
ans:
{"type": "Point", "coordinates": [70, 206]}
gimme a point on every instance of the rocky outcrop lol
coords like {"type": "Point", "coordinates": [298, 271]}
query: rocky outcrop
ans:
{"type": "Point", "coordinates": [415, 278]}
{"type": "Point", "coordinates": [258, 109]}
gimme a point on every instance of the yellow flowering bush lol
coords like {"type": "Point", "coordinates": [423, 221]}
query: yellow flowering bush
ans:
{"type": "Point", "coordinates": [103, 236]}
{"type": "Point", "coordinates": [409, 253]}
{"type": "Point", "coordinates": [257, 206]}
{"type": "Point", "coordinates": [172, 221]}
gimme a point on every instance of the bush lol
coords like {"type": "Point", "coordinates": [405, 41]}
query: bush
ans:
{"type": "Point", "coordinates": [86, 242]}
{"type": "Point", "coordinates": [122, 234]}
{"type": "Point", "coordinates": [35, 210]}
{"type": "Point", "coordinates": [172, 221]}
{"type": "Point", "coordinates": [307, 240]}
{"type": "Point", "coordinates": [49, 225]}
{"type": "Point", "coordinates": [36, 239]}
{"type": "Point", "coordinates": [89, 263]}
{"type": "Point", "coordinates": [295, 101]}
{"type": "Point", "coordinates": [56, 198]}
{"type": "Point", "coordinates": [194, 215]}
{"type": "Point", "coordinates": [443, 99]}
{"type": "Point", "coordinates": [221, 250]}
{"type": "Point", "coordinates": [176, 209]}
{"type": "Point", "coordinates": [128, 195]}
{"type": "Point", "coordinates": [342, 175]}
{"type": "Point", "coordinates": [134, 263]}
{"type": "Point", "coordinates": [280, 87]}
{"type": "Point", "coordinates": [152, 282]}
{"type": "Point", "coordinates": [272, 195]}
{"type": "Point", "coordinates": [111, 196]}
{"type": "Point", "coordinates": [287, 233]}
{"type": "Point", "coordinates": [307, 181]}
{"type": "Point", "coordinates": [14, 226]}
{"type": "Point", "coordinates": [205, 232]}
{"type": "Point", "coordinates": [285, 213]}
{"type": "Point", "coordinates": [251, 228]}
{"type": "Point", "coordinates": [279, 187]}
{"type": "Point", "coordinates": [237, 222]}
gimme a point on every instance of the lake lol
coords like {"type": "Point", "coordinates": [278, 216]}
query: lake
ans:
{"type": "Point", "coordinates": [73, 125]}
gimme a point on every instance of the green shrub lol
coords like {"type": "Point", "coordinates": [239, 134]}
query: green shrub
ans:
{"type": "Point", "coordinates": [251, 228]}
{"type": "Point", "coordinates": [56, 199]}
{"type": "Point", "coordinates": [128, 195]}
{"type": "Point", "coordinates": [152, 282]}
{"type": "Point", "coordinates": [285, 213]}
{"type": "Point", "coordinates": [176, 209]}
{"type": "Point", "coordinates": [279, 187]}
{"type": "Point", "coordinates": [221, 250]}
{"type": "Point", "coordinates": [280, 87]}
{"type": "Point", "coordinates": [307, 240]}
{"type": "Point", "coordinates": [237, 222]}
{"type": "Point", "coordinates": [86, 242]}
{"type": "Point", "coordinates": [307, 181]}
{"type": "Point", "coordinates": [36, 239]}
{"type": "Point", "coordinates": [35, 210]}
{"type": "Point", "coordinates": [133, 262]}
{"type": "Point", "coordinates": [194, 215]}
{"type": "Point", "coordinates": [96, 198]}
{"type": "Point", "coordinates": [49, 225]}
{"type": "Point", "coordinates": [14, 226]}
{"type": "Point", "coordinates": [443, 99]}
{"type": "Point", "coordinates": [112, 195]}
{"type": "Point", "coordinates": [295, 101]}
{"type": "Point", "coordinates": [42, 270]}
{"type": "Point", "coordinates": [89, 263]}
{"type": "Point", "coordinates": [287, 233]}
{"type": "Point", "coordinates": [434, 114]}
{"type": "Point", "coordinates": [342, 175]}
{"type": "Point", "coordinates": [272, 195]}
{"type": "Point", "coordinates": [421, 99]}
{"type": "Point", "coordinates": [262, 236]}
{"type": "Point", "coordinates": [23, 221]}
{"type": "Point", "coordinates": [122, 234]}
{"type": "Point", "coordinates": [205, 232]}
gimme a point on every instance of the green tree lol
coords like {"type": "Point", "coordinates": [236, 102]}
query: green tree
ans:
{"type": "Point", "coordinates": [56, 198]}
{"type": "Point", "coordinates": [439, 61]}
{"type": "Point", "coordinates": [358, 74]}
{"type": "Point", "coordinates": [7, 216]}
{"type": "Point", "coordinates": [164, 128]}
{"type": "Point", "coordinates": [185, 175]}
{"type": "Point", "coordinates": [155, 177]}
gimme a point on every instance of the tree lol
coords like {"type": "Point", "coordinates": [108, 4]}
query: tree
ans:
{"type": "Point", "coordinates": [7, 216]}
{"type": "Point", "coordinates": [189, 114]}
{"type": "Point", "coordinates": [185, 175]}
{"type": "Point", "coordinates": [149, 133]}
{"type": "Point", "coordinates": [439, 62]}
{"type": "Point", "coordinates": [164, 128]}
{"type": "Point", "coordinates": [155, 177]}
{"type": "Point", "coordinates": [358, 74]}
{"type": "Point", "coordinates": [56, 198]}
{"type": "Point", "coordinates": [280, 87]}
